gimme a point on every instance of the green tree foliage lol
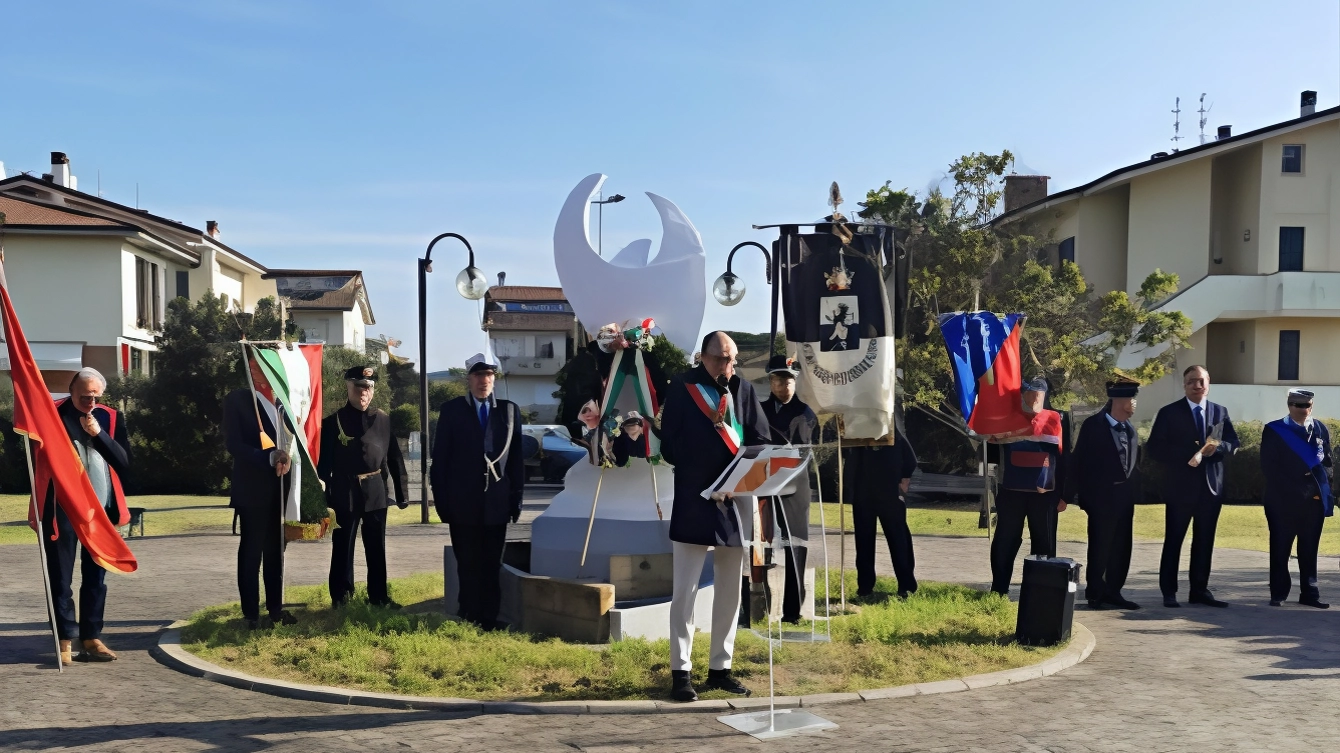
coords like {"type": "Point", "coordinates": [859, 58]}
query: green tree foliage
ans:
{"type": "Point", "coordinates": [175, 416]}
{"type": "Point", "coordinates": [404, 420]}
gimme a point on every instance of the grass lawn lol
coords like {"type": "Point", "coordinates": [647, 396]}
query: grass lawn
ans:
{"type": "Point", "coordinates": [1240, 526]}
{"type": "Point", "coordinates": [943, 631]}
{"type": "Point", "coordinates": [168, 514]}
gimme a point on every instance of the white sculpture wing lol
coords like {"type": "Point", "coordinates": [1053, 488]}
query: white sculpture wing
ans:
{"type": "Point", "coordinates": [672, 289]}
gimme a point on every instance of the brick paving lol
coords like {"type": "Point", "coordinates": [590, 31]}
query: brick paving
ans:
{"type": "Point", "coordinates": [1196, 679]}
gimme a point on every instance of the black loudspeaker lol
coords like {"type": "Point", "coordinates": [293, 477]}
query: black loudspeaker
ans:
{"type": "Point", "coordinates": [1047, 601]}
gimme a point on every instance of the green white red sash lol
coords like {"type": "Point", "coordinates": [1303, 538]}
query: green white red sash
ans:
{"type": "Point", "coordinates": [721, 412]}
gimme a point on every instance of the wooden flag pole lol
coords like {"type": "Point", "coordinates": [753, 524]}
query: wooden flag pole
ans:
{"type": "Point", "coordinates": [42, 550]}
{"type": "Point", "coordinates": [592, 522]}
{"type": "Point", "coordinates": [842, 523]}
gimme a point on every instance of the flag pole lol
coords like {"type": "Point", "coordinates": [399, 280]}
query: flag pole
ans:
{"type": "Point", "coordinates": [42, 550]}
{"type": "Point", "coordinates": [842, 523]}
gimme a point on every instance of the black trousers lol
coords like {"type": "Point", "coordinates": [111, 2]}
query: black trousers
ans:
{"type": "Point", "coordinates": [60, 556]}
{"type": "Point", "coordinates": [478, 550]}
{"type": "Point", "coordinates": [795, 582]}
{"type": "Point", "coordinates": [1109, 552]}
{"type": "Point", "coordinates": [1303, 521]}
{"type": "Point", "coordinates": [1180, 514]}
{"type": "Point", "coordinates": [262, 542]}
{"type": "Point", "coordinates": [891, 512]}
{"type": "Point", "coordinates": [1012, 508]}
{"type": "Point", "coordinates": [374, 551]}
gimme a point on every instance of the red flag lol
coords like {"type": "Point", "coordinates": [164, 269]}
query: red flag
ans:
{"type": "Point", "coordinates": [54, 458]}
{"type": "Point", "coordinates": [999, 409]}
{"type": "Point", "coordinates": [312, 427]}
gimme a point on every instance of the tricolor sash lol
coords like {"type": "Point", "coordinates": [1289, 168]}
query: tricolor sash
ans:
{"type": "Point", "coordinates": [1311, 455]}
{"type": "Point", "coordinates": [721, 413]}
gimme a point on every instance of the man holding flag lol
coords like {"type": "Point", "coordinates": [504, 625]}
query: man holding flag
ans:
{"type": "Point", "coordinates": [59, 469]}
{"type": "Point", "coordinates": [259, 481]}
{"type": "Point", "coordinates": [99, 438]}
{"type": "Point", "coordinates": [1296, 460]}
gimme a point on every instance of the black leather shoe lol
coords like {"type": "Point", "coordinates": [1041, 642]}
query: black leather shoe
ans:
{"type": "Point", "coordinates": [283, 617]}
{"type": "Point", "coordinates": [1170, 602]}
{"type": "Point", "coordinates": [1207, 599]}
{"type": "Point", "coordinates": [253, 624]}
{"type": "Point", "coordinates": [720, 679]}
{"type": "Point", "coordinates": [1095, 603]}
{"type": "Point", "coordinates": [389, 604]}
{"type": "Point", "coordinates": [1318, 603]}
{"type": "Point", "coordinates": [1120, 602]}
{"type": "Point", "coordinates": [1276, 603]}
{"type": "Point", "coordinates": [681, 689]}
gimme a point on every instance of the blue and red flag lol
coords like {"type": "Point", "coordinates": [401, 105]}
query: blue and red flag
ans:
{"type": "Point", "coordinates": [984, 356]}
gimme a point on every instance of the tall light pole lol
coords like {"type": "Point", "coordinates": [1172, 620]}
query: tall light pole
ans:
{"type": "Point", "coordinates": [600, 221]}
{"type": "Point", "coordinates": [472, 285]}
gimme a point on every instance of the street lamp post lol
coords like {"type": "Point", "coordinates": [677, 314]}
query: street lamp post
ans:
{"type": "Point", "coordinates": [471, 284]}
{"type": "Point", "coordinates": [600, 221]}
{"type": "Point", "coordinates": [729, 288]}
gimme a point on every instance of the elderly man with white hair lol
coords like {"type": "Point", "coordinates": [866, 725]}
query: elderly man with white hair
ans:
{"type": "Point", "coordinates": [99, 438]}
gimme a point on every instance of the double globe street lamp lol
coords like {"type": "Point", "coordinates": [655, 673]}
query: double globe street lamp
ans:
{"type": "Point", "coordinates": [472, 285]}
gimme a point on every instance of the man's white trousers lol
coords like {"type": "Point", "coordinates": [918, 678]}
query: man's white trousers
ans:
{"type": "Point", "coordinates": [727, 568]}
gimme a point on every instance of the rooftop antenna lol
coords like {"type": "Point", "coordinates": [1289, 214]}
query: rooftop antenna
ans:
{"type": "Point", "coordinates": [1203, 109]}
{"type": "Point", "coordinates": [1177, 123]}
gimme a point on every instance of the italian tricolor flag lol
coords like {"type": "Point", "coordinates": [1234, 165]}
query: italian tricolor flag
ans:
{"type": "Point", "coordinates": [294, 372]}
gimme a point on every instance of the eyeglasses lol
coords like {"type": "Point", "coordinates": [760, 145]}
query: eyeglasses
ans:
{"type": "Point", "coordinates": [1300, 405]}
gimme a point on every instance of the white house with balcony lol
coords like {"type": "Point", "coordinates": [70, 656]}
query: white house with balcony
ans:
{"type": "Point", "coordinates": [1251, 225]}
{"type": "Point", "coordinates": [532, 331]}
{"type": "Point", "coordinates": [90, 278]}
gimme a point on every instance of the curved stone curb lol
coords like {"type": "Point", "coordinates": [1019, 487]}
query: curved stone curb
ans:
{"type": "Point", "coordinates": [169, 652]}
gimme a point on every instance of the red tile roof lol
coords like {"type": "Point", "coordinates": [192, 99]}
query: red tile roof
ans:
{"type": "Point", "coordinates": [524, 293]}
{"type": "Point", "coordinates": [20, 212]}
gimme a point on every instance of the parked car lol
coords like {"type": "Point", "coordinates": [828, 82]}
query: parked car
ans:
{"type": "Point", "coordinates": [549, 452]}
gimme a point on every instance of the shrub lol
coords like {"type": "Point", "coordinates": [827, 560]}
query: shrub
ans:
{"type": "Point", "coordinates": [404, 420]}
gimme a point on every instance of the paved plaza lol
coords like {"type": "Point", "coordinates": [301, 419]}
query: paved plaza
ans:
{"type": "Point", "coordinates": [1250, 677]}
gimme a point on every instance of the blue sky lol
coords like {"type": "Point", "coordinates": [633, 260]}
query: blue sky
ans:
{"type": "Point", "coordinates": [346, 135]}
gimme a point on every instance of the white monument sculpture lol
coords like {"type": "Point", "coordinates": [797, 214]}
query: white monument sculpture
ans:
{"type": "Point", "coordinates": [632, 508]}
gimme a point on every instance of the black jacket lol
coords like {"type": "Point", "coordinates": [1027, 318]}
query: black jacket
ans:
{"type": "Point", "coordinates": [1097, 481]}
{"type": "Point", "coordinates": [370, 448]}
{"type": "Point", "coordinates": [114, 448]}
{"type": "Point", "coordinates": [873, 473]}
{"type": "Point", "coordinates": [254, 484]}
{"type": "Point", "coordinates": [457, 474]}
{"type": "Point", "coordinates": [1174, 439]}
{"type": "Point", "coordinates": [690, 443]}
{"type": "Point", "coordinates": [1289, 480]}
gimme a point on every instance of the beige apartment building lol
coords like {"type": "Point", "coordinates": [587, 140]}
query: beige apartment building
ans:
{"type": "Point", "coordinates": [1251, 225]}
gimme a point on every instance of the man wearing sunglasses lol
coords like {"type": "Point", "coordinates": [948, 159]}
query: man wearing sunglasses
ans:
{"type": "Point", "coordinates": [1296, 461]}
{"type": "Point", "coordinates": [99, 438]}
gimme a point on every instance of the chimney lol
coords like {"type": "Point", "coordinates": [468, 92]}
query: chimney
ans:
{"type": "Point", "coordinates": [1021, 190]}
{"type": "Point", "coordinates": [60, 169]}
{"type": "Point", "coordinates": [502, 279]}
{"type": "Point", "coordinates": [1225, 132]}
{"type": "Point", "coordinates": [212, 228]}
{"type": "Point", "coordinates": [1307, 103]}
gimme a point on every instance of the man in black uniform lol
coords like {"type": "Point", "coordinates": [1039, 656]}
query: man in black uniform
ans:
{"type": "Point", "coordinates": [1105, 483]}
{"type": "Point", "coordinates": [879, 477]}
{"type": "Point", "coordinates": [259, 480]}
{"type": "Point", "coordinates": [358, 458]}
{"type": "Point", "coordinates": [792, 422]}
{"type": "Point", "coordinates": [1297, 463]}
{"type": "Point", "coordinates": [477, 476]}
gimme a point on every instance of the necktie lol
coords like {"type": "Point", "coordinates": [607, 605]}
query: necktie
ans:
{"type": "Point", "coordinates": [1200, 420]}
{"type": "Point", "coordinates": [1125, 444]}
{"type": "Point", "coordinates": [483, 415]}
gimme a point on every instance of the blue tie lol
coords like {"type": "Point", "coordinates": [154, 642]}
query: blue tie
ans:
{"type": "Point", "coordinates": [483, 415]}
{"type": "Point", "coordinates": [1200, 420]}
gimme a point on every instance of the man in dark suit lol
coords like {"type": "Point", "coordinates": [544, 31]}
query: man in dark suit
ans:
{"type": "Point", "coordinates": [259, 483]}
{"type": "Point", "coordinates": [1191, 438]}
{"type": "Point", "coordinates": [1105, 483]}
{"type": "Point", "coordinates": [879, 477]}
{"type": "Point", "coordinates": [1297, 463]}
{"type": "Point", "coordinates": [99, 438]}
{"type": "Point", "coordinates": [708, 413]}
{"type": "Point", "coordinates": [477, 477]}
{"type": "Point", "coordinates": [360, 463]}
